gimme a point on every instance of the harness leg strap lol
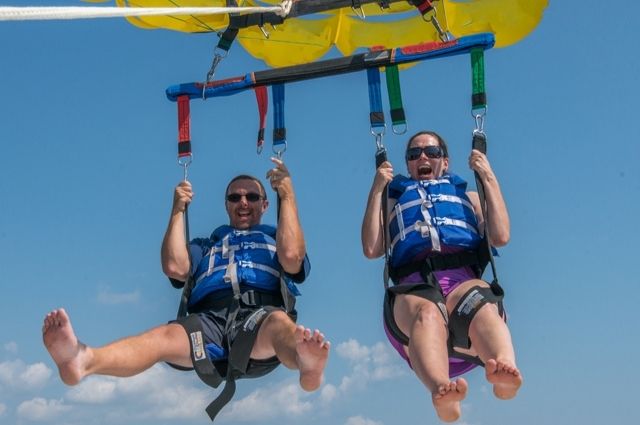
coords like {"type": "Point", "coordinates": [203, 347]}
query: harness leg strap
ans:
{"type": "Point", "coordinates": [239, 356]}
{"type": "Point", "coordinates": [429, 291]}
{"type": "Point", "coordinates": [466, 309]}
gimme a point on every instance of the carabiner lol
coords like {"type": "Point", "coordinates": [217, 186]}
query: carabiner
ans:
{"type": "Point", "coordinates": [279, 152]}
{"type": "Point", "coordinates": [184, 161]}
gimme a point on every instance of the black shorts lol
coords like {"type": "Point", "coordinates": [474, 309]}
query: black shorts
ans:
{"type": "Point", "coordinates": [216, 343]}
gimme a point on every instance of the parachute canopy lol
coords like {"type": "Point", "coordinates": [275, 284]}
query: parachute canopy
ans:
{"type": "Point", "coordinates": [306, 38]}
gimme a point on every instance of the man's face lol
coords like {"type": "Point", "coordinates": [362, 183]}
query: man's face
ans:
{"type": "Point", "coordinates": [245, 204]}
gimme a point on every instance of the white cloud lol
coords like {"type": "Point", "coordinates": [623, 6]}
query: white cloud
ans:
{"type": "Point", "coordinates": [17, 374]}
{"type": "Point", "coordinates": [285, 399]}
{"type": "Point", "coordinates": [353, 351]}
{"type": "Point", "coordinates": [158, 393]}
{"type": "Point", "coordinates": [328, 393]}
{"type": "Point", "coordinates": [94, 390]}
{"type": "Point", "coordinates": [3, 409]}
{"type": "Point", "coordinates": [105, 296]}
{"type": "Point", "coordinates": [35, 375]}
{"type": "Point", "coordinates": [40, 409]}
{"type": "Point", "coordinates": [11, 347]}
{"type": "Point", "coordinates": [374, 363]}
{"type": "Point", "coordinates": [359, 420]}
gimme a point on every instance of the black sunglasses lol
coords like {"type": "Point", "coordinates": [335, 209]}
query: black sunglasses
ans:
{"type": "Point", "coordinates": [251, 197]}
{"type": "Point", "coordinates": [431, 152]}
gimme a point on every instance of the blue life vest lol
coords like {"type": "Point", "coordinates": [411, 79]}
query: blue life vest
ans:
{"type": "Point", "coordinates": [252, 253]}
{"type": "Point", "coordinates": [429, 215]}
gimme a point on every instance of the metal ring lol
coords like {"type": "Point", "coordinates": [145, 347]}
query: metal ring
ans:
{"type": "Point", "coordinates": [404, 127]}
{"type": "Point", "coordinates": [376, 133]}
{"type": "Point", "coordinates": [279, 152]}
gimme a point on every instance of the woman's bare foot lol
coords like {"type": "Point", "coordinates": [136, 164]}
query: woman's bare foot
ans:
{"type": "Point", "coordinates": [505, 377]}
{"type": "Point", "coordinates": [66, 351]}
{"type": "Point", "coordinates": [312, 352]}
{"type": "Point", "coordinates": [447, 399]}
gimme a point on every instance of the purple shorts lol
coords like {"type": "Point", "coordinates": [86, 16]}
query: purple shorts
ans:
{"type": "Point", "coordinates": [449, 280]}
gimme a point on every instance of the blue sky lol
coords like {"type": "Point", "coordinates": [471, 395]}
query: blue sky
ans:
{"type": "Point", "coordinates": [89, 166]}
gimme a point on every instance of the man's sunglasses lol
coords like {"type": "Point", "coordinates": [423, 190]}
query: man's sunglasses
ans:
{"type": "Point", "coordinates": [251, 197]}
{"type": "Point", "coordinates": [431, 152]}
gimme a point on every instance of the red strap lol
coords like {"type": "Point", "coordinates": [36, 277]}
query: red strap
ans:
{"type": "Point", "coordinates": [184, 131]}
{"type": "Point", "coordinates": [427, 47]}
{"type": "Point", "coordinates": [425, 7]}
{"type": "Point", "coordinates": [262, 98]}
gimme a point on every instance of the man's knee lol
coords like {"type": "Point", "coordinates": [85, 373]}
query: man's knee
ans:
{"type": "Point", "coordinates": [277, 318]}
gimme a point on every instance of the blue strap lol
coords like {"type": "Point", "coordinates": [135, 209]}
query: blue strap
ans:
{"type": "Point", "coordinates": [279, 129]}
{"type": "Point", "coordinates": [376, 114]}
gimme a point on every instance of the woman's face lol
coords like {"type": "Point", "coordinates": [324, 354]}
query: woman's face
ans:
{"type": "Point", "coordinates": [428, 161]}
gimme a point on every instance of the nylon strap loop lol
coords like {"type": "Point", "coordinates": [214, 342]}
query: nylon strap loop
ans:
{"type": "Point", "coordinates": [279, 129]}
{"type": "Point", "coordinates": [262, 97]}
{"type": "Point", "coordinates": [376, 114]}
{"type": "Point", "coordinates": [479, 96]}
{"type": "Point", "coordinates": [395, 98]}
{"type": "Point", "coordinates": [184, 127]}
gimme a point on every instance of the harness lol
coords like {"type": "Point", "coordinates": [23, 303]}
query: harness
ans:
{"type": "Point", "coordinates": [232, 272]}
{"type": "Point", "coordinates": [436, 215]}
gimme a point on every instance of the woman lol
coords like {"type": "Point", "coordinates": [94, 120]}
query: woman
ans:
{"type": "Point", "coordinates": [431, 214]}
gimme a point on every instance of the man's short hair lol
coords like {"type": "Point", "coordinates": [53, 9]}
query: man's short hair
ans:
{"type": "Point", "coordinates": [246, 177]}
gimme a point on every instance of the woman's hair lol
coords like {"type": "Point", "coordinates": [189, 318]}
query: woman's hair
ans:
{"type": "Point", "coordinates": [246, 177]}
{"type": "Point", "coordinates": [441, 142]}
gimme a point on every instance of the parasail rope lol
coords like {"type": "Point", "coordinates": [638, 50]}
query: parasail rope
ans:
{"type": "Point", "coordinates": [10, 13]}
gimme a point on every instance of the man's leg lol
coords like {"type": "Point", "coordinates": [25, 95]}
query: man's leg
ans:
{"type": "Point", "coordinates": [125, 357]}
{"type": "Point", "coordinates": [295, 346]}
{"type": "Point", "coordinates": [491, 340]}
{"type": "Point", "coordinates": [422, 321]}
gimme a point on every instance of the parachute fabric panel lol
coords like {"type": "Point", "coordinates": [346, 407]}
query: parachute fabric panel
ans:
{"type": "Point", "coordinates": [303, 39]}
{"type": "Point", "coordinates": [509, 20]}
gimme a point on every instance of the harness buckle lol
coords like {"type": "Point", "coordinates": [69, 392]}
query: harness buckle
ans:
{"type": "Point", "coordinates": [249, 298]}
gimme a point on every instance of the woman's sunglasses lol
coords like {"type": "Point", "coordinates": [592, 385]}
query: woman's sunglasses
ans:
{"type": "Point", "coordinates": [431, 152]}
{"type": "Point", "coordinates": [251, 197]}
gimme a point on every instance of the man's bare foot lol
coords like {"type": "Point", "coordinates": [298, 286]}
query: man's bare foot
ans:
{"type": "Point", "coordinates": [506, 378]}
{"type": "Point", "coordinates": [447, 399]}
{"type": "Point", "coordinates": [312, 352]}
{"type": "Point", "coordinates": [67, 352]}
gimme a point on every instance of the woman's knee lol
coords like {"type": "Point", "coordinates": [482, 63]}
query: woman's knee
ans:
{"type": "Point", "coordinates": [428, 314]}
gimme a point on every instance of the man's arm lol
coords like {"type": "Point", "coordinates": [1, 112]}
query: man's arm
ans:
{"type": "Point", "coordinates": [290, 244]}
{"type": "Point", "coordinates": [174, 254]}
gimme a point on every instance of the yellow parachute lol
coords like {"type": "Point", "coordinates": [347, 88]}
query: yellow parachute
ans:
{"type": "Point", "coordinates": [307, 38]}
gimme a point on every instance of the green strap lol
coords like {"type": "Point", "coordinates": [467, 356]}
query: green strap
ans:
{"type": "Point", "coordinates": [395, 95]}
{"type": "Point", "coordinates": [479, 97]}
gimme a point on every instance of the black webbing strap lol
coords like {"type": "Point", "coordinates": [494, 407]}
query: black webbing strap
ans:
{"type": "Point", "coordinates": [202, 364]}
{"type": "Point", "coordinates": [442, 262]}
{"type": "Point", "coordinates": [239, 355]}
{"type": "Point", "coordinates": [300, 8]}
{"type": "Point", "coordinates": [480, 143]}
{"type": "Point", "coordinates": [466, 309]}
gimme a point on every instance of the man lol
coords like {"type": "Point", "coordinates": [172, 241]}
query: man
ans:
{"type": "Point", "coordinates": [276, 338]}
